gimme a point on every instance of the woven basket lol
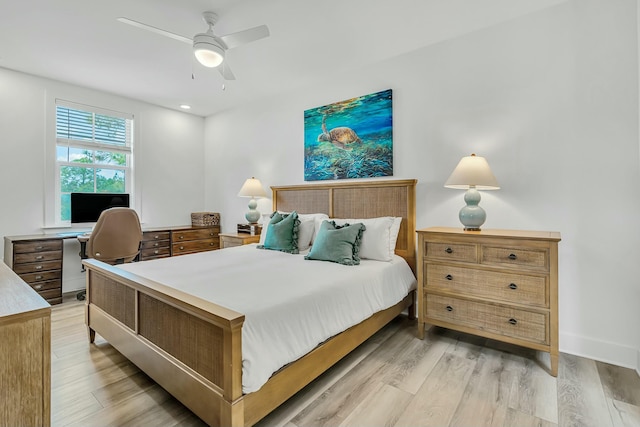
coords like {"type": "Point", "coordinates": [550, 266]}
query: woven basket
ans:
{"type": "Point", "coordinates": [205, 219]}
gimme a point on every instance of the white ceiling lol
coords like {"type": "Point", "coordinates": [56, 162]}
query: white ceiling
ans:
{"type": "Point", "coordinates": [81, 42]}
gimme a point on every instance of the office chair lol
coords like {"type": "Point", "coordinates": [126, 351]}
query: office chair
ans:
{"type": "Point", "coordinates": [115, 239]}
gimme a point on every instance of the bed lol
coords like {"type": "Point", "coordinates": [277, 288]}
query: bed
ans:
{"type": "Point", "coordinates": [193, 347]}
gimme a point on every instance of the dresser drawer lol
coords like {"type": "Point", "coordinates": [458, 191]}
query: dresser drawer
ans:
{"type": "Point", "coordinates": [155, 235]}
{"type": "Point", "coordinates": [154, 244]}
{"type": "Point", "coordinates": [52, 295]}
{"type": "Point", "coordinates": [37, 246]}
{"type": "Point", "coordinates": [451, 251]}
{"type": "Point", "coordinates": [21, 258]}
{"type": "Point", "coordinates": [195, 246]}
{"type": "Point", "coordinates": [518, 257]}
{"type": "Point", "coordinates": [195, 234]}
{"type": "Point", "coordinates": [501, 320]}
{"type": "Point", "coordinates": [34, 267]}
{"type": "Point", "coordinates": [47, 285]}
{"type": "Point", "coordinates": [506, 287]}
{"type": "Point", "coordinates": [39, 277]}
{"type": "Point", "coordinates": [152, 253]}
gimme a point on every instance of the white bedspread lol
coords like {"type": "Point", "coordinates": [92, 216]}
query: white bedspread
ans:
{"type": "Point", "coordinates": [290, 304]}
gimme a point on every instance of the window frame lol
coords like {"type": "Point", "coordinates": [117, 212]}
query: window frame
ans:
{"type": "Point", "coordinates": [53, 196]}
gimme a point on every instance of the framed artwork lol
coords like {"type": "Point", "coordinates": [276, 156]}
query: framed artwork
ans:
{"type": "Point", "coordinates": [349, 139]}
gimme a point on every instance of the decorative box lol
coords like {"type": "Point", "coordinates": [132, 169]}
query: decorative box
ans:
{"type": "Point", "coordinates": [205, 219]}
{"type": "Point", "coordinates": [253, 229]}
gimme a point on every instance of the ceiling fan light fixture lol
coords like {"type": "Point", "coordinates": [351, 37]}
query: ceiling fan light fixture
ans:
{"type": "Point", "coordinates": [207, 50]}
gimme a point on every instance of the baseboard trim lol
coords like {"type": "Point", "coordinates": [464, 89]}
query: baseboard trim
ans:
{"type": "Point", "coordinates": [602, 351]}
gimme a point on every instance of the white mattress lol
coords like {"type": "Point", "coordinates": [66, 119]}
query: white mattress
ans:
{"type": "Point", "coordinates": [290, 304]}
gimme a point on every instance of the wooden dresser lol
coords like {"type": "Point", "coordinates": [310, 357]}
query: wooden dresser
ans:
{"type": "Point", "coordinates": [25, 353]}
{"type": "Point", "coordinates": [38, 262]}
{"type": "Point", "coordinates": [178, 240]}
{"type": "Point", "coordinates": [499, 284]}
{"type": "Point", "coordinates": [195, 239]}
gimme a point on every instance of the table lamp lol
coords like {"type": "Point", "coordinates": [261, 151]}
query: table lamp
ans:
{"type": "Point", "coordinates": [252, 188]}
{"type": "Point", "coordinates": [472, 173]}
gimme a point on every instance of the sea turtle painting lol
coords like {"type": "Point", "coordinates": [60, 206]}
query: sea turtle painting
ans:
{"type": "Point", "coordinates": [352, 138]}
{"type": "Point", "coordinates": [341, 137]}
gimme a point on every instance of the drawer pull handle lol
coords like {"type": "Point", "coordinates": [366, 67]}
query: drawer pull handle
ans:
{"type": "Point", "coordinates": [156, 237]}
{"type": "Point", "coordinates": [513, 286]}
{"type": "Point", "coordinates": [39, 257]}
{"type": "Point", "coordinates": [513, 321]}
{"type": "Point", "coordinates": [449, 250]}
{"type": "Point", "coordinates": [449, 308]}
{"type": "Point", "coordinates": [39, 248]}
{"type": "Point", "coordinates": [156, 252]}
{"type": "Point", "coordinates": [181, 247]}
{"type": "Point", "coordinates": [38, 267]}
{"type": "Point", "coordinates": [512, 256]}
{"type": "Point", "coordinates": [448, 277]}
{"type": "Point", "coordinates": [182, 237]}
{"type": "Point", "coordinates": [37, 287]}
{"type": "Point", "coordinates": [38, 277]}
{"type": "Point", "coordinates": [156, 244]}
{"type": "Point", "coordinates": [211, 244]}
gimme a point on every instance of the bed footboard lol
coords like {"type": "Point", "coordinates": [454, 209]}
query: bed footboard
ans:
{"type": "Point", "coordinates": [189, 346]}
{"type": "Point", "coordinates": [192, 348]}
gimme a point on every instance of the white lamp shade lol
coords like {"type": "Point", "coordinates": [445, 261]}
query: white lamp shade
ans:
{"type": "Point", "coordinates": [252, 187]}
{"type": "Point", "coordinates": [207, 50]}
{"type": "Point", "coordinates": [472, 171]}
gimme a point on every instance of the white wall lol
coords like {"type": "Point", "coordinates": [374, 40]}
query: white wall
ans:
{"type": "Point", "coordinates": [551, 99]}
{"type": "Point", "coordinates": [168, 169]}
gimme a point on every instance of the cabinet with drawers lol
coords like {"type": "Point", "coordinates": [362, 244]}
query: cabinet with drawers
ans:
{"type": "Point", "coordinates": [500, 284]}
{"type": "Point", "coordinates": [155, 244]}
{"type": "Point", "coordinates": [39, 263]}
{"type": "Point", "coordinates": [195, 239]}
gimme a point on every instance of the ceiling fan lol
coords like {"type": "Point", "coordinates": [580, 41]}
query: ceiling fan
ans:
{"type": "Point", "coordinates": [208, 48]}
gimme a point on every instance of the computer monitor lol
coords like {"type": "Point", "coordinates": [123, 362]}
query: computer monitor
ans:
{"type": "Point", "coordinates": [87, 207]}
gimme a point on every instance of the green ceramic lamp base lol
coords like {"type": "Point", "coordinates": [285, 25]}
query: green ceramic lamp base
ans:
{"type": "Point", "coordinates": [472, 216]}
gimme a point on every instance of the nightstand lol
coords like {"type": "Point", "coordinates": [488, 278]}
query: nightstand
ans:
{"type": "Point", "coordinates": [228, 240]}
{"type": "Point", "coordinates": [499, 284]}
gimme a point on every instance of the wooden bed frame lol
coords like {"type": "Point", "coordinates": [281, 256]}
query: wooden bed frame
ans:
{"type": "Point", "coordinates": [192, 347]}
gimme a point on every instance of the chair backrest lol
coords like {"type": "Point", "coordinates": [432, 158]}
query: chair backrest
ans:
{"type": "Point", "coordinates": [116, 237]}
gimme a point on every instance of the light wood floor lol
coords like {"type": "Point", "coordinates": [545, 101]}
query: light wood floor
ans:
{"type": "Point", "coordinates": [393, 379]}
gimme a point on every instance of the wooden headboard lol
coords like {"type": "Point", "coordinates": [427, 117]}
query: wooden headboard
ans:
{"type": "Point", "coordinates": [362, 199]}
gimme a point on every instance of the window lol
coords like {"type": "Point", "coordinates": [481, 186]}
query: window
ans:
{"type": "Point", "coordinates": [93, 153]}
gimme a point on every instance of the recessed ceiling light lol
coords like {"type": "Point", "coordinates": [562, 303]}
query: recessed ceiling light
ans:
{"type": "Point", "coordinates": [185, 107]}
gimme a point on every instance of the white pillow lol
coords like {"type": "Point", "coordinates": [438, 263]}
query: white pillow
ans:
{"type": "Point", "coordinates": [306, 229]}
{"type": "Point", "coordinates": [380, 237]}
{"type": "Point", "coordinates": [316, 226]}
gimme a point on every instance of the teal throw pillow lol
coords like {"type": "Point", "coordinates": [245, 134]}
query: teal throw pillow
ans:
{"type": "Point", "coordinates": [282, 233]}
{"type": "Point", "coordinates": [339, 244]}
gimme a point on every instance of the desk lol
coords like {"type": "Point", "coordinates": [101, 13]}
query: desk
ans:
{"type": "Point", "coordinates": [37, 259]}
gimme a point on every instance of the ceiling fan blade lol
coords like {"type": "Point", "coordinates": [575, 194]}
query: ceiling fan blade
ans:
{"type": "Point", "coordinates": [245, 36]}
{"type": "Point", "coordinates": [155, 30]}
{"type": "Point", "coordinates": [226, 71]}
